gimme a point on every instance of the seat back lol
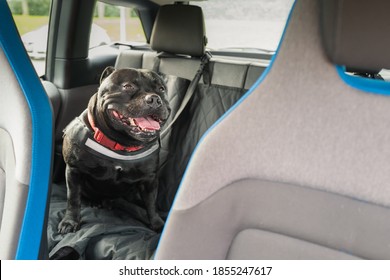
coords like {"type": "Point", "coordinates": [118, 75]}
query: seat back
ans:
{"type": "Point", "coordinates": [25, 148]}
{"type": "Point", "coordinates": [300, 168]}
{"type": "Point", "coordinates": [14, 179]}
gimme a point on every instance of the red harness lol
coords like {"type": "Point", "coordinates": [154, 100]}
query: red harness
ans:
{"type": "Point", "coordinates": [107, 142]}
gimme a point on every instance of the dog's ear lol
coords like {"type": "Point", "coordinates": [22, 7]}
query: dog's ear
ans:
{"type": "Point", "coordinates": [106, 72]}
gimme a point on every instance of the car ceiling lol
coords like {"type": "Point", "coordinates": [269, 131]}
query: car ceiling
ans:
{"type": "Point", "coordinates": [164, 2]}
{"type": "Point", "coordinates": [139, 2]}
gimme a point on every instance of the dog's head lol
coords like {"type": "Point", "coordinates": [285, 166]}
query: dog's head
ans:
{"type": "Point", "coordinates": [132, 102]}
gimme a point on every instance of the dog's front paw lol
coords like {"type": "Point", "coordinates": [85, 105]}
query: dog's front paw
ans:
{"type": "Point", "coordinates": [157, 224]}
{"type": "Point", "coordinates": [68, 224]}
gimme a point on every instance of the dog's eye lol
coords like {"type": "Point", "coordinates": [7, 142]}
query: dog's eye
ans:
{"type": "Point", "coordinates": [162, 89]}
{"type": "Point", "coordinates": [128, 87]}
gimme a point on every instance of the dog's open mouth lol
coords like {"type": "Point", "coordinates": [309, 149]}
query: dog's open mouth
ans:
{"type": "Point", "coordinates": [147, 124]}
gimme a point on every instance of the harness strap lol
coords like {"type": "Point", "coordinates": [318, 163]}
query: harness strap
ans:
{"type": "Point", "coordinates": [93, 145]}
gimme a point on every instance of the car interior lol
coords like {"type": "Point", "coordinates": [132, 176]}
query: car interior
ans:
{"type": "Point", "coordinates": [266, 155]}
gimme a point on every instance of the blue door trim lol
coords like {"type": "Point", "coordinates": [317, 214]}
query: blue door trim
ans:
{"type": "Point", "coordinates": [42, 136]}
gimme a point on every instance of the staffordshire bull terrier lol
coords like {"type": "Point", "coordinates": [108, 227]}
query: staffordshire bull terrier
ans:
{"type": "Point", "coordinates": [111, 150]}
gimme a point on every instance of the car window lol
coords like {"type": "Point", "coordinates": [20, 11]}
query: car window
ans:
{"type": "Point", "coordinates": [32, 19]}
{"type": "Point", "coordinates": [249, 25]}
{"type": "Point", "coordinates": [113, 24]}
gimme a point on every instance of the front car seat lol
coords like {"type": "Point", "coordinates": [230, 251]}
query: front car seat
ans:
{"type": "Point", "coordinates": [300, 168]}
{"type": "Point", "coordinates": [26, 135]}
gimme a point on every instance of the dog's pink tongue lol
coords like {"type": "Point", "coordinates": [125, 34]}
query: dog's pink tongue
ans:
{"type": "Point", "coordinates": [147, 123]}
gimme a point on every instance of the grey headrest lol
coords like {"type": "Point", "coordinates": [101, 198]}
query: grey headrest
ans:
{"type": "Point", "coordinates": [356, 33]}
{"type": "Point", "coordinates": [179, 29]}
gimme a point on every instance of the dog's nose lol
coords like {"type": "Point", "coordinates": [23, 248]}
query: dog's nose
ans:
{"type": "Point", "coordinates": [153, 100]}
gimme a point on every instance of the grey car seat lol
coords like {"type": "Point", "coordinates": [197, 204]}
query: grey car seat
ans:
{"type": "Point", "coordinates": [25, 148]}
{"type": "Point", "coordinates": [300, 169]}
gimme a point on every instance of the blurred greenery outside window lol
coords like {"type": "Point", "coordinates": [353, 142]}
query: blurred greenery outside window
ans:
{"type": "Point", "coordinates": [32, 19]}
{"type": "Point", "coordinates": [121, 23]}
{"type": "Point", "coordinates": [110, 24]}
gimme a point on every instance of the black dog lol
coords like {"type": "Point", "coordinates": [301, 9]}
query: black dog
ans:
{"type": "Point", "coordinates": [112, 149]}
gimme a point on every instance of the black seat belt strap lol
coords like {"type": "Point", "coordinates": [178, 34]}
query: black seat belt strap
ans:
{"type": "Point", "coordinates": [190, 91]}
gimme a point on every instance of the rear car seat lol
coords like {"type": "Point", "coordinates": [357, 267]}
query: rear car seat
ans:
{"type": "Point", "coordinates": [226, 81]}
{"type": "Point", "coordinates": [108, 235]}
{"type": "Point", "coordinates": [300, 169]}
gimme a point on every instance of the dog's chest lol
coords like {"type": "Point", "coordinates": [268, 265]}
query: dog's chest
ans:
{"type": "Point", "coordinates": [107, 179]}
{"type": "Point", "coordinates": [119, 172]}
